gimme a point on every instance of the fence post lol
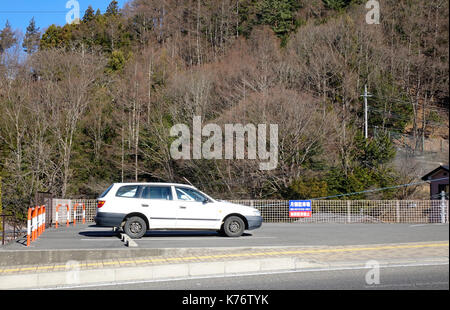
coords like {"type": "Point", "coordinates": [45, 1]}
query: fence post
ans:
{"type": "Point", "coordinates": [3, 228]}
{"type": "Point", "coordinates": [348, 211]}
{"type": "Point", "coordinates": [397, 211]}
{"type": "Point", "coordinates": [442, 207]}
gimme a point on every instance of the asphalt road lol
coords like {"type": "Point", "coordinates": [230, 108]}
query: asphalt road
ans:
{"type": "Point", "coordinates": [413, 277]}
{"type": "Point", "coordinates": [88, 236]}
{"type": "Point", "coordinates": [295, 234]}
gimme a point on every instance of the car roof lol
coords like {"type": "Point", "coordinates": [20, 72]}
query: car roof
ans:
{"type": "Point", "coordinates": [155, 183]}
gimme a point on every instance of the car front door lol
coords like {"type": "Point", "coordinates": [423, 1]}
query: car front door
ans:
{"type": "Point", "coordinates": [193, 212]}
{"type": "Point", "coordinates": [158, 205]}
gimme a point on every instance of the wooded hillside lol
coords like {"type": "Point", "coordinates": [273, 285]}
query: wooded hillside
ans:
{"type": "Point", "coordinates": [88, 104]}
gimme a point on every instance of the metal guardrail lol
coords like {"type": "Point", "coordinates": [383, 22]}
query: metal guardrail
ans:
{"type": "Point", "coordinates": [323, 211]}
{"type": "Point", "coordinates": [11, 228]}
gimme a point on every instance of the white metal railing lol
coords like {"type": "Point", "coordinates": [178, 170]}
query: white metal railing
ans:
{"type": "Point", "coordinates": [323, 211]}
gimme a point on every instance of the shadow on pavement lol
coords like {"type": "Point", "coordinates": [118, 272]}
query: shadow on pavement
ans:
{"type": "Point", "coordinates": [186, 233]}
{"type": "Point", "coordinates": [97, 233]}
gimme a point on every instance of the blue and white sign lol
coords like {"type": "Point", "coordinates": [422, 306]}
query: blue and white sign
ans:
{"type": "Point", "coordinates": [300, 208]}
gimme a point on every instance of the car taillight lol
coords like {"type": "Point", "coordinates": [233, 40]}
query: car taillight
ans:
{"type": "Point", "coordinates": [100, 203]}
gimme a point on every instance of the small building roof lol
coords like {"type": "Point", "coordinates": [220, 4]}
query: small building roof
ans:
{"type": "Point", "coordinates": [429, 175]}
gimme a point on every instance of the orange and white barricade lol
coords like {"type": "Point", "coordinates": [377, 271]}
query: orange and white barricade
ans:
{"type": "Point", "coordinates": [84, 213]}
{"type": "Point", "coordinates": [56, 215]}
{"type": "Point", "coordinates": [43, 218]}
{"type": "Point", "coordinates": [34, 224]}
{"type": "Point", "coordinates": [75, 214]}
{"type": "Point", "coordinates": [30, 212]}
{"type": "Point", "coordinates": [36, 229]}
{"type": "Point", "coordinates": [39, 221]}
{"type": "Point", "coordinates": [68, 215]}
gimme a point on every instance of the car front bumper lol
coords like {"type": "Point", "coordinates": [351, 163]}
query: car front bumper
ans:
{"type": "Point", "coordinates": [254, 222]}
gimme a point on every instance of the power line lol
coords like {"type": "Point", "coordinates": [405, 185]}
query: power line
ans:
{"type": "Point", "coordinates": [12, 12]}
{"type": "Point", "coordinates": [379, 189]}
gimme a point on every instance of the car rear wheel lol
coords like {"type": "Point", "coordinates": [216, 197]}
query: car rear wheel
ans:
{"type": "Point", "coordinates": [233, 226]}
{"type": "Point", "coordinates": [135, 227]}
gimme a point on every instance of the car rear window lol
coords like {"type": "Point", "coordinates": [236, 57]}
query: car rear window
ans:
{"type": "Point", "coordinates": [157, 192]}
{"type": "Point", "coordinates": [106, 191]}
{"type": "Point", "coordinates": [128, 191]}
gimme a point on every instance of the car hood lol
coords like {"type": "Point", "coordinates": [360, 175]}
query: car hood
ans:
{"type": "Point", "coordinates": [237, 207]}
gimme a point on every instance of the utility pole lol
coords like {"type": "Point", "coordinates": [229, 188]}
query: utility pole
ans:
{"type": "Point", "coordinates": [443, 207]}
{"type": "Point", "coordinates": [366, 121]}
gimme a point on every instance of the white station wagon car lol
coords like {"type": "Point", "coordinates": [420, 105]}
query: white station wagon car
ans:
{"type": "Point", "coordinates": [138, 207]}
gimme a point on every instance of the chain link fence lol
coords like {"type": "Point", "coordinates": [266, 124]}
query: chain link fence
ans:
{"type": "Point", "coordinates": [323, 211]}
{"type": "Point", "coordinates": [66, 210]}
{"type": "Point", "coordinates": [356, 211]}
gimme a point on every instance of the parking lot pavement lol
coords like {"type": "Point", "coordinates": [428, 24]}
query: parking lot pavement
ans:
{"type": "Point", "coordinates": [81, 236]}
{"type": "Point", "coordinates": [88, 236]}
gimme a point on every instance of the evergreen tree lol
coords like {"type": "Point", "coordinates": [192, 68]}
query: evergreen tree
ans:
{"type": "Point", "coordinates": [88, 15]}
{"type": "Point", "coordinates": [7, 38]}
{"type": "Point", "coordinates": [279, 14]}
{"type": "Point", "coordinates": [113, 9]}
{"type": "Point", "coordinates": [32, 36]}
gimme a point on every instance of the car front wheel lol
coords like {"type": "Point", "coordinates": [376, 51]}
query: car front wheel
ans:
{"type": "Point", "coordinates": [135, 227]}
{"type": "Point", "coordinates": [233, 226]}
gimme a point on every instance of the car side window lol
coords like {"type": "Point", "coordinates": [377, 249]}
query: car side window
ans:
{"type": "Point", "coordinates": [128, 191]}
{"type": "Point", "coordinates": [157, 192]}
{"type": "Point", "coordinates": [188, 194]}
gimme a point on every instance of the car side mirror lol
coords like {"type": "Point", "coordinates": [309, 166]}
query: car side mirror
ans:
{"type": "Point", "coordinates": [205, 201]}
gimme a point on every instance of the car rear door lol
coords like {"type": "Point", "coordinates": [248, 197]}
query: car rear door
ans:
{"type": "Point", "coordinates": [158, 205]}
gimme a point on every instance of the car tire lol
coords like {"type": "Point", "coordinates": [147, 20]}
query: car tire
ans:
{"type": "Point", "coordinates": [135, 227]}
{"type": "Point", "coordinates": [233, 226]}
{"type": "Point", "coordinates": [221, 232]}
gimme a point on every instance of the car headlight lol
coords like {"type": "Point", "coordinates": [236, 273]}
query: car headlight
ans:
{"type": "Point", "coordinates": [256, 212]}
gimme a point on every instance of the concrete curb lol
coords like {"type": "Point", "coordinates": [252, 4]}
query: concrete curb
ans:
{"type": "Point", "coordinates": [73, 276]}
{"type": "Point", "coordinates": [32, 257]}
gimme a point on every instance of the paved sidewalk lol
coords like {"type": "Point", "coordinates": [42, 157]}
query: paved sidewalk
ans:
{"type": "Point", "coordinates": [215, 261]}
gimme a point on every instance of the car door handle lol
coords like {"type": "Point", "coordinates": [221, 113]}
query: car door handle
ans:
{"type": "Point", "coordinates": [144, 205]}
{"type": "Point", "coordinates": [182, 207]}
